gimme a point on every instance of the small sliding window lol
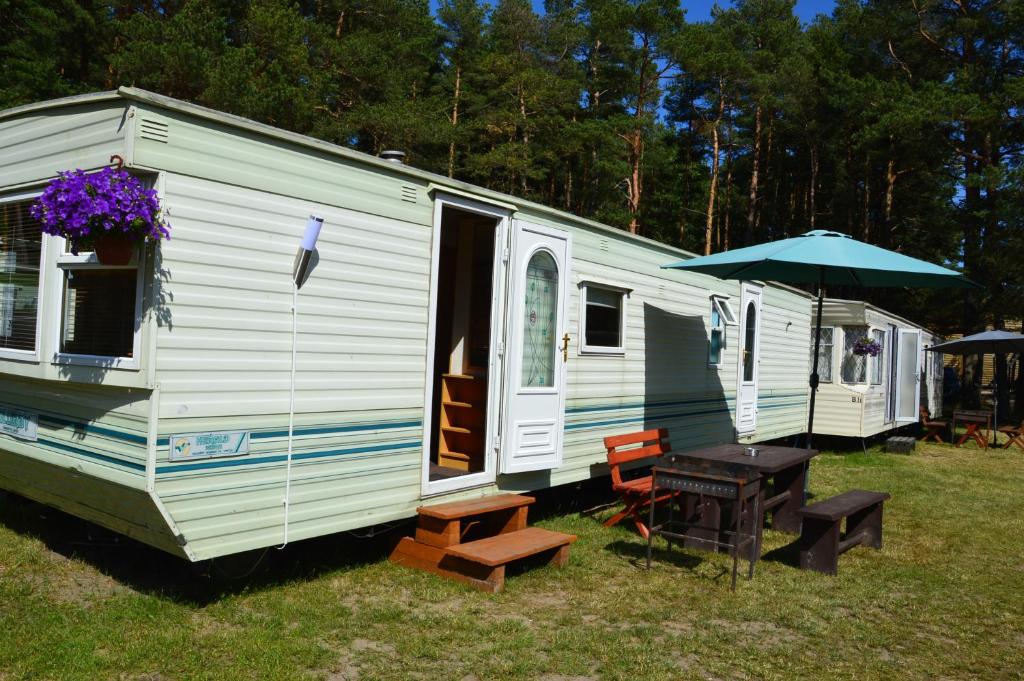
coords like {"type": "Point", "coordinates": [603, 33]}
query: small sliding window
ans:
{"type": "Point", "coordinates": [603, 319]}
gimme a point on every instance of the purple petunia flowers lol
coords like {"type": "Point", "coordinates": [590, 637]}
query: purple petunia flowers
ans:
{"type": "Point", "coordinates": [83, 207]}
{"type": "Point", "coordinates": [867, 346]}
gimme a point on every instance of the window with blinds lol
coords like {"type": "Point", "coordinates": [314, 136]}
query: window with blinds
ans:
{"type": "Point", "coordinates": [20, 248]}
{"type": "Point", "coordinates": [98, 315]}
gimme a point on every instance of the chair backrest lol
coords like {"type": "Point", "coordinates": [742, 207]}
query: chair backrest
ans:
{"type": "Point", "coordinates": [659, 444]}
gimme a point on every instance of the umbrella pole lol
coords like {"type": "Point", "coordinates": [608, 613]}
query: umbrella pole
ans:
{"type": "Point", "coordinates": [814, 370]}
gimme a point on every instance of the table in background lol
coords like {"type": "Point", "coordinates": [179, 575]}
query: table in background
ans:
{"type": "Point", "coordinates": [972, 419]}
{"type": "Point", "coordinates": [783, 471]}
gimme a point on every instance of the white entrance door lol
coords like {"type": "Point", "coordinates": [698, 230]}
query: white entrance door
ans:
{"type": "Point", "coordinates": [535, 414]}
{"type": "Point", "coordinates": [908, 378]}
{"type": "Point", "coordinates": [749, 359]}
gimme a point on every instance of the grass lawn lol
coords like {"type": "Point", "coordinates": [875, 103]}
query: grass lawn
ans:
{"type": "Point", "coordinates": [943, 599]}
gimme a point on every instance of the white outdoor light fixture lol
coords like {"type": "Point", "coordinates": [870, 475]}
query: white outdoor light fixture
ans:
{"type": "Point", "coordinates": [306, 248]}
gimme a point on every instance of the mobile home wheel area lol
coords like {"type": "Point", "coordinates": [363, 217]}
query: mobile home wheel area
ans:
{"type": "Point", "coordinates": [449, 342]}
{"type": "Point", "coordinates": [865, 394]}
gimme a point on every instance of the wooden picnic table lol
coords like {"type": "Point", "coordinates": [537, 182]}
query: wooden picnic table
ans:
{"type": "Point", "coordinates": [783, 472]}
{"type": "Point", "coordinates": [972, 419]}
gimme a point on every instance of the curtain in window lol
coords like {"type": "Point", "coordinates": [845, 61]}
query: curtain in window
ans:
{"type": "Point", "coordinates": [854, 366]}
{"type": "Point", "coordinates": [824, 354]}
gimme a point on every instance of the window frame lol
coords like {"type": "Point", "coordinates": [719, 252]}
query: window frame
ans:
{"type": "Point", "coordinates": [33, 355]}
{"type": "Point", "coordinates": [830, 355]}
{"type": "Point", "coordinates": [605, 350]}
{"type": "Point", "coordinates": [866, 330]}
{"type": "Point", "coordinates": [66, 261]}
{"type": "Point", "coordinates": [726, 318]}
{"type": "Point", "coordinates": [877, 362]}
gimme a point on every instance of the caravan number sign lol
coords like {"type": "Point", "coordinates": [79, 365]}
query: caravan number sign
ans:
{"type": "Point", "coordinates": [19, 424]}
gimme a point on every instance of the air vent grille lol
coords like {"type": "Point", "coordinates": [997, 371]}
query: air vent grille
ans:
{"type": "Point", "coordinates": [408, 193]}
{"type": "Point", "coordinates": [605, 245]}
{"type": "Point", "coordinates": [150, 129]}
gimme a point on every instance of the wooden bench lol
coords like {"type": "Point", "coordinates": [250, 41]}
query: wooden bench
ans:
{"type": "Point", "coordinates": [820, 542]}
{"type": "Point", "coordinates": [472, 541]}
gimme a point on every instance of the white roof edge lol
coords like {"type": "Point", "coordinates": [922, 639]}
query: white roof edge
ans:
{"type": "Point", "coordinates": [871, 306]}
{"type": "Point", "coordinates": [145, 96]}
{"type": "Point", "coordinates": [87, 98]}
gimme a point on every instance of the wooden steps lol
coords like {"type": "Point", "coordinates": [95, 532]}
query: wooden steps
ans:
{"type": "Point", "coordinates": [472, 541]}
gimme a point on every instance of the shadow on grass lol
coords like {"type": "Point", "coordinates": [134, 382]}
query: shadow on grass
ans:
{"type": "Point", "coordinates": [151, 571]}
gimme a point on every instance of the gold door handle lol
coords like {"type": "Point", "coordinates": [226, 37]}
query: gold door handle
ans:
{"type": "Point", "coordinates": [565, 348]}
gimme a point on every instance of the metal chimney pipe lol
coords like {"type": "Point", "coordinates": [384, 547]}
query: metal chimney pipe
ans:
{"type": "Point", "coordinates": [393, 155]}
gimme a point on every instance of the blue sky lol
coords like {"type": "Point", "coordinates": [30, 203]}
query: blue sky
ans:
{"type": "Point", "coordinates": [700, 10]}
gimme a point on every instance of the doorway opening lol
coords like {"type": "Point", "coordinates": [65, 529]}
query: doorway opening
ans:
{"type": "Point", "coordinates": [462, 344]}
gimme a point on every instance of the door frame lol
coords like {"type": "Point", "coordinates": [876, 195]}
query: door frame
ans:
{"type": "Point", "coordinates": [513, 337]}
{"type": "Point", "coordinates": [757, 290]}
{"type": "Point", "coordinates": [904, 420]}
{"type": "Point", "coordinates": [495, 371]}
{"type": "Point", "coordinates": [892, 339]}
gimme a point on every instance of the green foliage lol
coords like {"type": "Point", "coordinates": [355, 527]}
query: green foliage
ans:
{"type": "Point", "coordinates": [899, 123]}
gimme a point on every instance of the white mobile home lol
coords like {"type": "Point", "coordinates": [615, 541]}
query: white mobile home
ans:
{"type": "Point", "coordinates": [449, 340]}
{"type": "Point", "coordinates": [861, 395]}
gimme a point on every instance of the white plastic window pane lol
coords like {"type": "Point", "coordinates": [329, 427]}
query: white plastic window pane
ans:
{"type": "Point", "coordinates": [750, 342]}
{"type": "Point", "coordinates": [716, 318]}
{"type": "Point", "coordinates": [600, 297]}
{"type": "Point", "coordinates": [878, 362]}
{"type": "Point", "coordinates": [20, 247]}
{"type": "Point", "coordinates": [541, 299]}
{"type": "Point", "coordinates": [824, 354]}
{"type": "Point", "coordinates": [715, 347]}
{"type": "Point", "coordinates": [725, 310]}
{"type": "Point", "coordinates": [854, 367]}
{"type": "Point", "coordinates": [99, 312]}
{"type": "Point", "coordinates": [908, 362]}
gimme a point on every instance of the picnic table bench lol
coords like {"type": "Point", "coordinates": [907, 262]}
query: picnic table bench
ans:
{"type": "Point", "coordinates": [820, 542]}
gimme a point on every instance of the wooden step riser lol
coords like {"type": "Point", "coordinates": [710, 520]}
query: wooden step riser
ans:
{"type": "Point", "coordinates": [441, 533]}
{"type": "Point", "coordinates": [412, 554]}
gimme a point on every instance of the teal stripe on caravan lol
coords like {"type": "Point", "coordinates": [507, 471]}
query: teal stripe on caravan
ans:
{"type": "Point", "coordinates": [660, 405]}
{"type": "Point", "coordinates": [164, 440]}
{"type": "Point", "coordinates": [278, 458]}
{"type": "Point", "coordinates": [93, 455]}
{"type": "Point", "coordinates": [641, 419]}
{"type": "Point", "coordinates": [91, 428]}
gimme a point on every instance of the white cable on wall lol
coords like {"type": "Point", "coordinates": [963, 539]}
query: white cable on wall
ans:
{"type": "Point", "coordinates": [302, 262]}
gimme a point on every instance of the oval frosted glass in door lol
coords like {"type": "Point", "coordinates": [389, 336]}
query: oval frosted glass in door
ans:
{"type": "Point", "coordinates": [540, 321]}
{"type": "Point", "coordinates": [750, 342]}
{"type": "Point", "coordinates": [908, 361]}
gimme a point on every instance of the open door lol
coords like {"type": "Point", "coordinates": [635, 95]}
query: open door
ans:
{"type": "Point", "coordinates": [908, 378]}
{"type": "Point", "coordinates": [536, 357]}
{"type": "Point", "coordinates": [750, 353]}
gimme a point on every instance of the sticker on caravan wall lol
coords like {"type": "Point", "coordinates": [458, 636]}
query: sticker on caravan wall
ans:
{"type": "Point", "coordinates": [19, 424]}
{"type": "Point", "coordinates": [208, 445]}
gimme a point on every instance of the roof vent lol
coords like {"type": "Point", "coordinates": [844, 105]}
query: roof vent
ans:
{"type": "Point", "coordinates": [393, 155]}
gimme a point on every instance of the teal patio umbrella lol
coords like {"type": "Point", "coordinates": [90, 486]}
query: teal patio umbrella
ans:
{"type": "Point", "coordinates": [823, 257]}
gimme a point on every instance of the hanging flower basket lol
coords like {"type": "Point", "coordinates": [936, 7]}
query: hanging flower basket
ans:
{"type": "Point", "coordinates": [866, 346]}
{"type": "Point", "coordinates": [109, 212]}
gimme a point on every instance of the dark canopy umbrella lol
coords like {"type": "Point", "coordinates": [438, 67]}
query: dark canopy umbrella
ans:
{"type": "Point", "coordinates": [984, 343]}
{"type": "Point", "coordinates": [823, 257]}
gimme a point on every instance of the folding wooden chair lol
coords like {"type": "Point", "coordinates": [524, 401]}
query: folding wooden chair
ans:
{"type": "Point", "coordinates": [932, 429]}
{"type": "Point", "coordinates": [1016, 434]}
{"type": "Point", "coordinates": [636, 493]}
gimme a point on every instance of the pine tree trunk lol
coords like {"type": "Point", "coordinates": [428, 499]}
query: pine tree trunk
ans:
{"type": "Point", "coordinates": [890, 194]}
{"type": "Point", "coordinates": [728, 196]}
{"type": "Point", "coordinates": [709, 224]}
{"type": "Point", "coordinates": [866, 208]}
{"type": "Point", "coordinates": [455, 120]}
{"type": "Point", "coordinates": [811, 210]}
{"type": "Point", "coordinates": [754, 168]}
